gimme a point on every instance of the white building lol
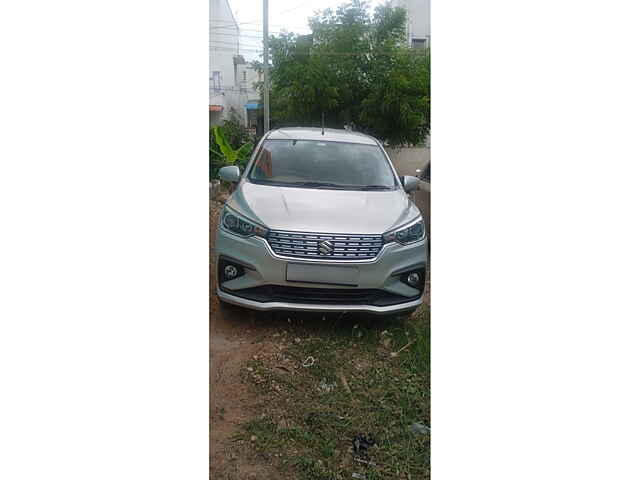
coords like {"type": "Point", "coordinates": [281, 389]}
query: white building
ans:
{"type": "Point", "coordinates": [230, 77]}
{"type": "Point", "coordinates": [418, 21]}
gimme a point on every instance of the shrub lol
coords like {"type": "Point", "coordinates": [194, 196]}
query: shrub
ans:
{"type": "Point", "coordinates": [229, 144]}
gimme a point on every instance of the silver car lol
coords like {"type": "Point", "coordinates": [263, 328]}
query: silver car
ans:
{"type": "Point", "coordinates": [320, 221]}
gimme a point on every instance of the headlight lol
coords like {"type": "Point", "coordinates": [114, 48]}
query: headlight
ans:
{"type": "Point", "coordinates": [409, 233]}
{"type": "Point", "coordinates": [241, 226]}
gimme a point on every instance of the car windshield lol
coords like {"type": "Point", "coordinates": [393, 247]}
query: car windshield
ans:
{"type": "Point", "coordinates": [317, 164]}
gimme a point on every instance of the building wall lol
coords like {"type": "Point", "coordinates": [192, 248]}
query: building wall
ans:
{"type": "Point", "coordinates": [215, 118]}
{"type": "Point", "coordinates": [418, 19]}
{"type": "Point", "coordinates": [224, 36]}
{"type": "Point", "coordinates": [230, 81]}
{"type": "Point", "coordinates": [253, 77]}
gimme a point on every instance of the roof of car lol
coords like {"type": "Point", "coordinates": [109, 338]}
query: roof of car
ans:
{"type": "Point", "coordinates": [330, 135]}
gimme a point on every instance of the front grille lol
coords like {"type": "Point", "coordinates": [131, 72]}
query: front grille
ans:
{"type": "Point", "coordinates": [310, 245]}
{"type": "Point", "coordinates": [321, 296]}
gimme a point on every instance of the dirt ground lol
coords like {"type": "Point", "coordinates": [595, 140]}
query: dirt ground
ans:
{"type": "Point", "coordinates": [234, 335]}
{"type": "Point", "coordinates": [234, 340]}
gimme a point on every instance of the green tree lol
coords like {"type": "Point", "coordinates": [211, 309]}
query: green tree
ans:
{"type": "Point", "coordinates": [354, 68]}
{"type": "Point", "coordinates": [396, 107]}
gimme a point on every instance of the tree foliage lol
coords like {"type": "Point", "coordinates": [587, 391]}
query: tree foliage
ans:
{"type": "Point", "coordinates": [356, 69]}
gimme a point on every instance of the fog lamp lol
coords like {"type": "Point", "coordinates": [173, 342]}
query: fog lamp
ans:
{"type": "Point", "coordinates": [413, 279]}
{"type": "Point", "coordinates": [230, 272]}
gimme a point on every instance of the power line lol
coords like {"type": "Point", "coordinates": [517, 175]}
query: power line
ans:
{"type": "Point", "coordinates": [290, 27]}
{"type": "Point", "coordinates": [229, 42]}
{"type": "Point", "coordinates": [250, 47]}
{"type": "Point", "coordinates": [233, 45]}
{"type": "Point", "coordinates": [228, 23]}
{"type": "Point", "coordinates": [228, 48]}
{"type": "Point", "coordinates": [259, 37]}
{"type": "Point", "coordinates": [230, 89]}
{"type": "Point", "coordinates": [225, 23]}
{"type": "Point", "coordinates": [377, 52]}
{"type": "Point", "coordinates": [289, 30]}
{"type": "Point", "coordinates": [236, 42]}
{"type": "Point", "coordinates": [241, 50]}
{"type": "Point", "coordinates": [238, 34]}
{"type": "Point", "coordinates": [224, 49]}
{"type": "Point", "coordinates": [294, 8]}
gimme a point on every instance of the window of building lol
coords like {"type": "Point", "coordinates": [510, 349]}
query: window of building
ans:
{"type": "Point", "coordinates": [215, 81]}
{"type": "Point", "coordinates": [418, 43]}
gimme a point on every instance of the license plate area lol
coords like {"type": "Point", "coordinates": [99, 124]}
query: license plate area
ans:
{"type": "Point", "coordinates": [323, 274]}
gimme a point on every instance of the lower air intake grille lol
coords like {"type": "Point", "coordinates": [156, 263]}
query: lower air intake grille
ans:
{"type": "Point", "coordinates": [321, 296]}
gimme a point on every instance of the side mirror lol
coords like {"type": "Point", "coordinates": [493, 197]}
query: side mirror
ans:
{"type": "Point", "coordinates": [230, 174]}
{"type": "Point", "coordinates": [411, 184]}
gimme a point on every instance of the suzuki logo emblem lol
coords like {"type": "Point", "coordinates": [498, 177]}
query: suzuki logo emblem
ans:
{"type": "Point", "coordinates": [325, 248]}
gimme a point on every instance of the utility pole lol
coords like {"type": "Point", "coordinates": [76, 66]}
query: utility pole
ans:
{"type": "Point", "coordinates": [265, 40]}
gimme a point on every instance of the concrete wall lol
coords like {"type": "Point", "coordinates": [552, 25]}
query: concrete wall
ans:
{"type": "Point", "coordinates": [418, 18]}
{"type": "Point", "coordinates": [215, 118]}
{"type": "Point", "coordinates": [253, 77]}
{"type": "Point", "coordinates": [223, 46]}
{"type": "Point", "coordinates": [223, 41]}
{"type": "Point", "coordinates": [234, 91]}
{"type": "Point", "coordinates": [407, 161]}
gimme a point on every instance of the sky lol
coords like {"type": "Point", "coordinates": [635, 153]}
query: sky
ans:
{"type": "Point", "coordinates": [291, 15]}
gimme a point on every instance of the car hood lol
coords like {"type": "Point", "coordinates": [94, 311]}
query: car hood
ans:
{"type": "Point", "coordinates": [323, 210]}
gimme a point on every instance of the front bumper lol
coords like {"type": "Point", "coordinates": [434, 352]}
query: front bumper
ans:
{"type": "Point", "coordinates": [265, 270]}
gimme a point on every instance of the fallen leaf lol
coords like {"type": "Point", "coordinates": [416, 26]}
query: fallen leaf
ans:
{"type": "Point", "coordinates": [344, 383]}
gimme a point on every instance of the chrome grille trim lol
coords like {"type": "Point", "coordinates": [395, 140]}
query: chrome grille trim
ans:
{"type": "Point", "coordinates": [305, 245]}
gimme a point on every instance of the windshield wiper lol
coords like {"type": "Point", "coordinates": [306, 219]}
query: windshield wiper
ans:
{"type": "Point", "coordinates": [340, 187]}
{"type": "Point", "coordinates": [316, 184]}
{"type": "Point", "coordinates": [371, 187]}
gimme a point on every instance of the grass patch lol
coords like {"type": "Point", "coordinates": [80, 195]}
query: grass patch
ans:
{"type": "Point", "coordinates": [355, 386]}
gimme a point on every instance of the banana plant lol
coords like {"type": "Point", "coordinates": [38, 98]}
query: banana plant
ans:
{"type": "Point", "coordinates": [231, 156]}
